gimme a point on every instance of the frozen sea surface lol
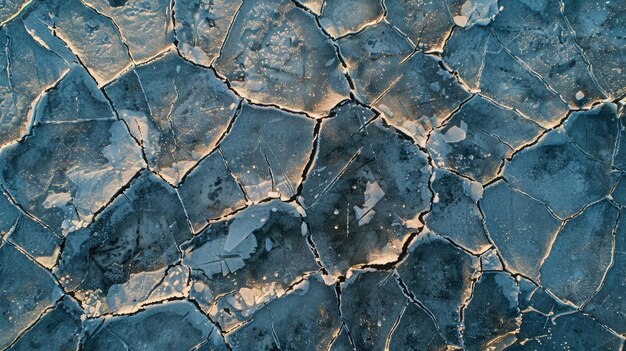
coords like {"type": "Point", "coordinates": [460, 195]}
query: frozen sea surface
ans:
{"type": "Point", "coordinates": [325, 175]}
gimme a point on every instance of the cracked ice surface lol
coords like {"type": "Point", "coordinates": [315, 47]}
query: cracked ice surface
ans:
{"type": "Point", "coordinates": [312, 175]}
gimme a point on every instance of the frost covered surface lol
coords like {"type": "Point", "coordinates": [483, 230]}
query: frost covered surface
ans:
{"type": "Point", "coordinates": [312, 175]}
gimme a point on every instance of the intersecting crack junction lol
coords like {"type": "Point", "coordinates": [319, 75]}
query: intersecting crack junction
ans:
{"type": "Point", "coordinates": [325, 175]}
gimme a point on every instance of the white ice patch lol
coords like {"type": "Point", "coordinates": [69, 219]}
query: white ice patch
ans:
{"type": "Point", "coordinates": [197, 54]}
{"type": "Point", "coordinates": [373, 194]}
{"type": "Point", "coordinates": [268, 244]}
{"type": "Point", "coordinates": [174, 173]}
{"type": "Point", "coordinates": [301, 288]}
{"type": "Point", "coordinates": [145, 288]}
{"type": "Point", "coordinates": [460, 21]}
{"type": "Point", "coordinates": [473, 189]}
{"type": "Point", "coordinates": [414, 222]}
{"type": "Point", "coordinates": [57, 200]}
{"type": "Point", "coordinates": [243, 225]}
{"type": "Point", "coordinates": [95, 186]}
{"type": "Point", "coordinates": [212, 259]}
{"type": "Point", "coordinates": [247, 295]}
{"type": "Point", "coordinates": [456, 134]}
{"type": "Point", "coordinates": [580, 95]}
{"type": "Point", "coordinates": [479, 12]}
{"type": "Point", "coordinates": [386, 110]}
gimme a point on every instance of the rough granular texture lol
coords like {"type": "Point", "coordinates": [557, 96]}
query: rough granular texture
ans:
{"type": "Point", "coordinates": [325, 175]}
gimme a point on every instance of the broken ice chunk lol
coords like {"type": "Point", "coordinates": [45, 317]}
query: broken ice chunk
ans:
{"type": "Point", "coordinates": [489, 261]}
{"type": "Point", "coordinates": [251, 274]}
{"type": "Point", "coordinates": [476, 12]}
{"type": "Point", "coordinates": [581, 254]}
{"type": "Point", "coordinates": [212, 258]}
{"type": "Point", "coordinates": [608, 304]}
{"type": "Point", "coordinates": [486, 66]}
{"type": "Point", "coordinates": [490, 133]}
{"type": "Point", "coordinates": [594, 23]}
{"type": "Point", "coordinates": [619, 159]}
{"type": "Point", "coordinates": [342, 341]}
{"type": "Point", "coordinates": [37, 241]}
{"type": "Point", "coordinates": [170, 326]}
{"type": "Point", "coordinates": [444, 290]}
{"type": "Point", "coordinates": [354, 163]}
{"type": "Point", "coordinates": [521, 228]}
{"type": "Point", "coordinates": [210, 192]}
{"type": "Point", "coordinates": [314, 5]}
{"type": "Point", "coordinates": [456, 214]}
{"type": "Point", "coordinates": [20, 84]}
{"type": "Point", "coordinates": [26, 291]}
{"type": "Point", "coordinates": [145, 288]}
{"type": "Point", "coordinates": [455, 134]}
{"type": "Point", "coordinates": [542, 301]}
{"type": "Point", "coordinates": [557, 172]}
{"type": "Point", "coordinates": [9, 214]}
{"type": "Point", "coordinates": [269, 245]}
{"type": "Point", "coordinates": [527, 290]}
{"type": "Point", "coordinates": [202, 27]}
{"type": "Point", "coordinates": [91, 36]}
{"type": "Point", "coordinates": [418, 105]}
{"type": "Point", "coordinates": [57, 330]}
{"type": "Point", "coordinates": [595, 131]}
{"type": "Point", "coordinates": [619, 192]}
{"type": "Point", "coordinates": [573, 330]}
{"type": "Point", "coordinates": [373, 194]}
{"type": "Point", "coordinates": [285, 63]}
{"type": "Point", "coordinates": [579, 95]}
{"type": "Point", "coordinates": [489, 119]}
{"type": "Point", "coordinates": [492, 315]}
{"type": "Point", "coordinates": [548, 49]}
{"type": "Point", "coordinates": [250, 262]}
{"type": "Point", "coordinates": [341, 17]}
{"type": "Point", "coordinates": [145, 26]}
{"type": "Point", "coordinates": [425, 23]}
{"type": "Point", "coordinates": [465, 53]}
{"type": "Point", "coordinates": [244, 224]}
{"type": "Point", "coordinates": [75, 97]}
{"type": "Point", "coordinates": [267, 150]}
{"type": "Point", "coordinates": [138, 232]}
{"type": "Point", "coordinates": [248, 296]}
{"type": "Point", "coordinates": [416, 331]}
{"type": "Point", "coordinates": [179, 111]}
{"type": "Point", "coordinates": [373, 58]}
{"type": "Point", "coordinates": [286, 323]}
{"type": "Point", "coordinates": [460, 20]}
{"type": "Point", "coordinates": [90, 161]}
{"type": "Point", "coordinates": [371, 303]}
{"type": "Point", "coordinates": [10, 8]}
